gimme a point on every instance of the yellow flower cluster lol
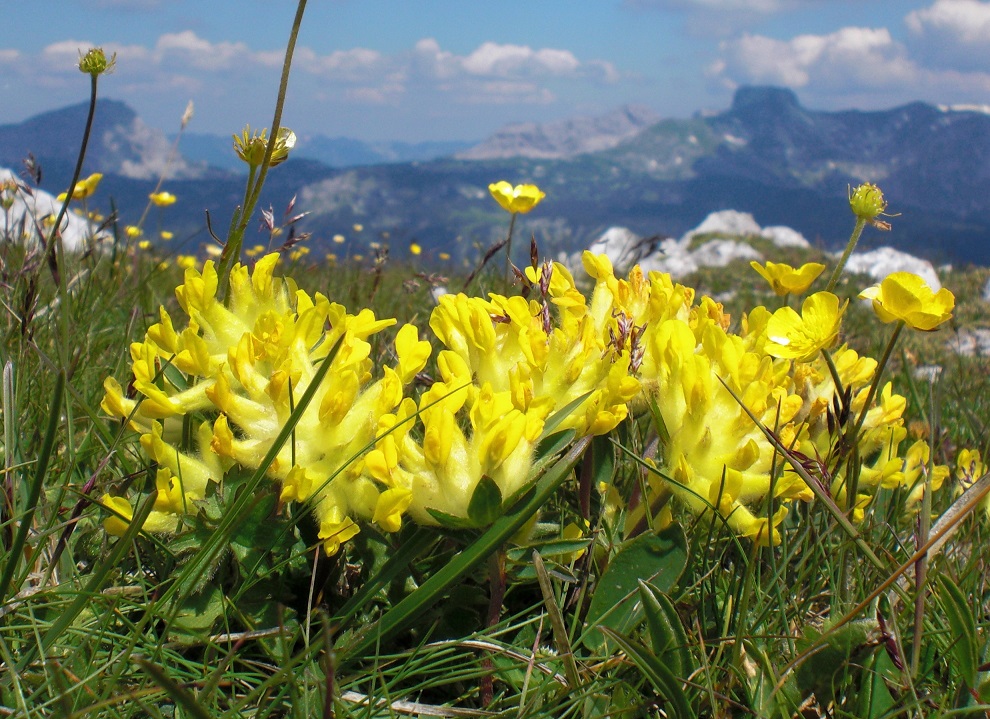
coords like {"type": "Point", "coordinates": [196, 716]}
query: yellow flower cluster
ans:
{"type": "Point", "coordinates": [363, 451]}
{"type": "Point", "coordinates": [509, 363]}
{"type": "Point", "coordinates": [705, 382]}
{"type": "Point", "coordinates": [247, 364]}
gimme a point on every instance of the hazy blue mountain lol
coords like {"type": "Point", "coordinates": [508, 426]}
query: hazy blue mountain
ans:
{"type": "Point", "coordinates": [120, 143]}
{"type": "Point", "coordinates": [215, 150]}
{"type": "Point", "coordinates": [766, 154]}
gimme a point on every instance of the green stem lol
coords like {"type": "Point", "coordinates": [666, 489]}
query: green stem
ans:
{"type": "Point", "coordinates": [508, 253]}
{"type": "Point", "coordinates": [232, 250]}
{"type": "Point", "coordinates": [876, 378]}
{"type": "Point", "coordinates": [850, 246]}
{"type": "Point", "coordinates": [924, 530]}
{"type": "Point", "coordinates": [54, 252]}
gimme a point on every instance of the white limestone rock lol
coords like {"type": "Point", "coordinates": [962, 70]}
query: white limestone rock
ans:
{"type": "Point", "coordinates": [725, 223]}
{"type": "Point", "coordinates": [31, 211]}
{"type": "Point", "coordinates": [783, 236]}
{"type": "Point", "coordinates": [971, 342]}
{"type": "Point", "coordinates": [884, 261]}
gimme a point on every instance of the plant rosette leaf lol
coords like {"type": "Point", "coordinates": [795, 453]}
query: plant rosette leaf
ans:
{"type": "Point", "coordinates": [659, 559]}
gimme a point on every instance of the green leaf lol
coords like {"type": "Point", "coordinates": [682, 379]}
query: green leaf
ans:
{"type": "Point", "coordinates": [840, 659]}
{"type": "Point", "coordinates": [666, 631]}
{"type": "Point", "coordinates": [449, 520]}
{"type": "Point", "coordinates": [659, 559]}
{"type": "Point", "coordinates": [486, 502]}
{"type": "Point", "coordinates": [656, 673]}
{"type": "Point", "coordinates": [197, 614]}
{"type": "Point", "coordinates": [962, 630]}
{"type": "Point", "coordinates": [602, 461]}
{"type": "Point", "coordinates": [875, 699]}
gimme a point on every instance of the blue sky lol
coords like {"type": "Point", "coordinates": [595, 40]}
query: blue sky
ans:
{"type": "Point", "coordinates": [455, 69]}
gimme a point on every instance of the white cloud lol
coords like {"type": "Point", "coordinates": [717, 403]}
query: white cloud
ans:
{"type": "Point", "coordinates": [234, 80]}
{"type": "Point", "coordinates": [952, 34]}
{"type": "Point", "coordinates": [853, 57]}
{"type": "Point", "coordinates": [852, 67]}
{"type": "Point", "coordinates": [497, 60]}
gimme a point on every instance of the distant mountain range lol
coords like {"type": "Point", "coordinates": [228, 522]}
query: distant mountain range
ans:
{"type": "Point", "coordinates": [766, 154]}
{"type": "Point", "coordinates": [216, 150]}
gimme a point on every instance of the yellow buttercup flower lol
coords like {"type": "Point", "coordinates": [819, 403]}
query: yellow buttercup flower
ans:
{"type": "Point", "coordinates": [517, 200]}
{"type": "Point", "coordinates": [133, 231]}
{"type": "Point", "coordinates": [415, 249]}
{"type": "Point", "coordinates": [144, 245]}
{"type": "Point", "coordinates": [162, 199]}
{"type": "Point", "coordinates": [802, 337]}
{"type": "Point", "coordinates": [84, 188]}
{"type": "Point", "coordinates": [166, 235]}
{"type": "Point", "coordinates": [786, 280]}
{"type": "Point", "coordinates": [904, 296]}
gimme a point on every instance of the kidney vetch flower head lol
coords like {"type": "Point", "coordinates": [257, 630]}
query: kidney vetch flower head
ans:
{"type": "Point", "coordinates": [786, 280]}
{"type": "Point", "coordinates": [906, 297]}
{"type": "Point", "coordinates": [239, 370]}
{"type": "Point", "coordinates": [519, 199]}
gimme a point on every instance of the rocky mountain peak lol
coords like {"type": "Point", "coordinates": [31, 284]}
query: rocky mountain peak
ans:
{"type": "Point", "coordinates": [564, 138]}
{"type": "Point", "coordinates": [120, 142]}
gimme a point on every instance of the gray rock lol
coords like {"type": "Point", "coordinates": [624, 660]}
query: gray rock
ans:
{"type": "Point", "coordinates": [566, 138]}
{"type": "Point", "coordinates": [884, 261]}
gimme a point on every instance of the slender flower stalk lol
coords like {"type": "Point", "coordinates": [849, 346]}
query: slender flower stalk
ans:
{"type": "Point", "coordinates": [232, 249]}
{"type": "Point", "coordinates": [850, 246]}
{"type": "Point", "coordinates": [867, 204]}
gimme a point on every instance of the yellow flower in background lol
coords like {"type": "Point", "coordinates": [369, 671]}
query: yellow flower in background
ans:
{"type": "Point", "coordinates": [785, 280]}
{"type": "Point", "coordinates": [517, 200]}
{"type": "Point", "coordinates": [444, 256]}
{"type": "Point", "coordinates": [166, 235]}
{"type": "Point", "coordinates": [84, 188]}
{"type": "Point", "coordinates": [339, 239]}
{"type": "Point", "coordinates": [415, 249]}
{"type": "Point", "coordinates": [132, 231]}
{"type": "Point", "coordinates": [144, 245]}
{"type": "Point", "coordinates": [906, 297]}
{"type": "Point", "coordinates": [186, 262]}
{"type": "Point", "coordinates": [162, 199]}
{"type": "Point", "coordinates": [802, 337]}
{"type": "Point", "coordinates": [358, 227]}
{"type": "Point", "coordinates": [867, 201]}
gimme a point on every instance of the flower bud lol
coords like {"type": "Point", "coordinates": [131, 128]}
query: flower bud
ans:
{"type": "Point", "coordinates": [867, 202]}
{"type": "Point", "coordinates": [96, 63]}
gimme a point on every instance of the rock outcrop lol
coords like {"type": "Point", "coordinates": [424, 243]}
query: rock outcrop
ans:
{"type": "Point", "coordinates": [565, 138]}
